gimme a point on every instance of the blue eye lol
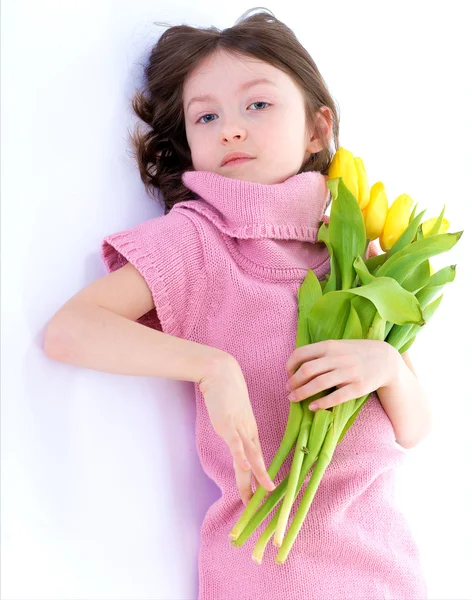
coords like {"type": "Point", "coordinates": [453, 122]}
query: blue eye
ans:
{"type": "Point", "coordinates": [210, 114]}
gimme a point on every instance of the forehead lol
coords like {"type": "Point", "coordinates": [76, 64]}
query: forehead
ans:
{"type": "Point", "coordinates": [228, 71]}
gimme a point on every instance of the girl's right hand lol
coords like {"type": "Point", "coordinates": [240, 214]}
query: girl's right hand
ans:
{"type": "Point", "coordinates": [227, 400]}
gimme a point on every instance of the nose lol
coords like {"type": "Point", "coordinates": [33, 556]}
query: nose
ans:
{"type": "Point", "coordinates": [231, 132]}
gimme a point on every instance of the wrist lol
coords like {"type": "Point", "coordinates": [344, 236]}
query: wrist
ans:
{"type": "Point", "coordinates": [217, 362]}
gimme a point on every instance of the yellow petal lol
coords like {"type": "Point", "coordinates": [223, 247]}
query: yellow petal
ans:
{"type": "Point", "coordinates": [363, 185]}
{"type": "Point", "coordinates": [343, 165]}
{"type": "Point", "coordinates": [376, 211]}
{"type": "Point", "coordinates": [428, 225]}
{"type": "Point", "coordinates": [397, 220]}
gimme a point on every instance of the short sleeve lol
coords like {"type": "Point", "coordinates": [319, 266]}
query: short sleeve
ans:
{"type": "Point", "coordinates": [168, 254]}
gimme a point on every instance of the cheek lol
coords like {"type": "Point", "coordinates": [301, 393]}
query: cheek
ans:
{"type": "Point", "coordinates": [288, 129]}
{"type": "Point", "coordinates": [195, 146]}
{"type": "Point", "coordinates": [199, 140]}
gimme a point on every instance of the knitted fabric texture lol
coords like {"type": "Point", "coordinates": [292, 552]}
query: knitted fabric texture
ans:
{"type": "Point", "coordinates": [224, 269]}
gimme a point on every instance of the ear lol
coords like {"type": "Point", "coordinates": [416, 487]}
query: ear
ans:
{"type": "Point", "coordinates": [325, 123]}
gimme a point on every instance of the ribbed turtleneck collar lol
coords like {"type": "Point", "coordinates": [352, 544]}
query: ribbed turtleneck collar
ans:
{"type": "Point", "coordinates": [291, 210]}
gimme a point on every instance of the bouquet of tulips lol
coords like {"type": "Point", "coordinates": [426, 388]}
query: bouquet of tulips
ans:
{"type": "Point", "coordinates": [386, 297]}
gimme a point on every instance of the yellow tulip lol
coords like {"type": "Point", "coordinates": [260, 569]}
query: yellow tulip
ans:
{"type": "Point", "coordinates": [376, 211]}
{"type": "Point", "coordinates": [397, 220]}
{"type": "Point", "coordinates": [343, 165]}
{"type": "Point", "coordinates": [363, 186]}
{"type": "Point", "coordinates": [428, 225]}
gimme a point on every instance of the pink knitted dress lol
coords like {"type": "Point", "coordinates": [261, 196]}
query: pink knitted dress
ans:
{"type": "Point", "coordinates": [224, 270]}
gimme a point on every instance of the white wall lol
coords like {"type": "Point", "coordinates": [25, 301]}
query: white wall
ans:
{"type": "Point", "coordinates": [94, 494]}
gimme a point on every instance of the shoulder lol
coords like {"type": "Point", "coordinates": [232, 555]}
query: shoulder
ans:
{"type": "Point", "coordinates": [156, 236]}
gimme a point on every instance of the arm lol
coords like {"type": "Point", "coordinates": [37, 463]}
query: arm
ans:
{"type": "Point", "coordinates": [403, 399]}
{"type": "Point", "coordinates": [95, 329]}
{"type": "Point", "coordinates": [405, 402]}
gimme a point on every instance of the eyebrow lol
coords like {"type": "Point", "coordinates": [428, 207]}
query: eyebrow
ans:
{"type": "Point", "coordinates": [244, 86]}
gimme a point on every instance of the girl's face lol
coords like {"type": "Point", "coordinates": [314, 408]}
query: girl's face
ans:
{"type": "Point", "coordinates": [266, 120]}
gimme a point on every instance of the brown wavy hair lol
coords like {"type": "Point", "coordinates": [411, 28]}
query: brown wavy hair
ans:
{"type": "Point", "coordinates": [162, 152]}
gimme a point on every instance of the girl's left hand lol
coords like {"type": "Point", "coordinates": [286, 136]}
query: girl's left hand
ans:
{"type": "Point", "coordinates": [356, 367]}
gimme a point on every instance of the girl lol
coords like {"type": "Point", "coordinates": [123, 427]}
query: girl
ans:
{"type": "Point", "coordinates": [240, 123]}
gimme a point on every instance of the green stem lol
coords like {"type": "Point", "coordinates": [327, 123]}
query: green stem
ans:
{"type": "Point", "coordinates": [321, 465]}
{"type": "Point", "coordinates": [290, 436]}
{"type": "Point", "coordinates": [261, 544]}
{"type": "Point", "coordinates": [318, 432]}
{"type": "Point", "coordinates": [399, 335]}
{"type": "Point", "coordinates": [388, 328]}
{"type": "Point", "coordinates": [321, 422]}
{"type": "Point", "coordinates": [376, 330]}
{"type": "Point", "coordinates": [295, 469]}
{"type": "Point", "coordinates": [262, 513]}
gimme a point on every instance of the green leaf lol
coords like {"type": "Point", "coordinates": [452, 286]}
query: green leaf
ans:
{"type": "Point", "coordinates": [323, 234]}
{"type": "Point", "coordinates": [437, 224]}
{"type": "Point", "coordinates": [430, 309]}
{"type": "Point", "coordinates": [436, 283]}
{"type": "Point", "coordinates": [407, 236]}
{"type": "Point", "coordinates": [399, 338]}
{"type": "Point", "coordinates": [374, 262]}
{"type": "Point", "coordinates": [308, 293]}
{"type": "Point", "coordinates": [428, 312]}
{"type": "Point", "coordinates": [366, 311]}
{"type": "Point", "coordinates": [391, 301]}
{"type": "Point", "coordinates": [362, 271]}
{"type": "Point", "coordinates": [418, 278]}
{"type": "Point", "coordinates": [377, 329]}
{"type": "Point", "coordinates": [443, 276]}
{"type": "Point", "coordinates": [413, 213]}
{"type": "Point", "coordinates": [334, 280]}
{"type": "Point", "coordinates": [405, 260]}
{"type": "Point", "coordinates": [346, 229]}
{"type": "Point", "coordinates": [353, 329]}
{"type": "Point", "coordinates": [328, 317]}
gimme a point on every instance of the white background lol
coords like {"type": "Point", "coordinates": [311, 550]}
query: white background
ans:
{"type": "Point", "coordinates": [102, 494]}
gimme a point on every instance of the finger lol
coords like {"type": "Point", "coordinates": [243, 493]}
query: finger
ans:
{"type": "Point", "coordinates": [254, 454]}
{"type": "Point", "coordinates": [306, 353]}
{"type": "Point", "coordinates": [342, 394]}
{"type": "Point", "coordinates": [309, 370]}
{"type": "Point", "coordinates": [317, 385]}
{"type": "Point", "coordinates": [242, 467]}
{"type": "Point", "coordinates": [243, 482]}
{"type": "Point", "coordinates": [236, 448]}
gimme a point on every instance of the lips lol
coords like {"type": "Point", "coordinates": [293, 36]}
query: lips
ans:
{"type": "Point", "coordinates": [236, 161]}
{"type": "Point", "coordinates": [232, 156]}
